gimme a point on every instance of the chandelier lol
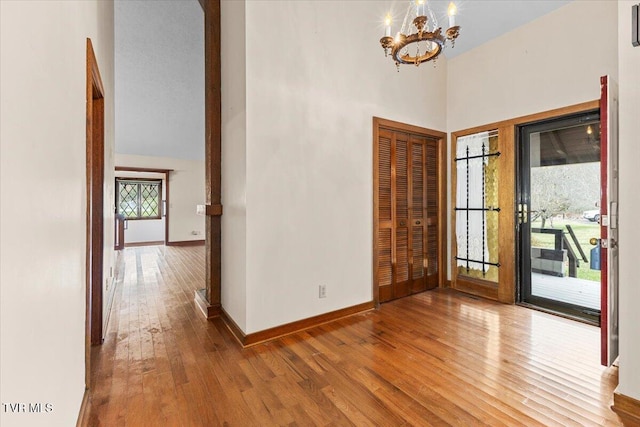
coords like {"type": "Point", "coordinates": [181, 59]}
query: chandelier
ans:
{"type": "Point", "coordinates": [421, 39]}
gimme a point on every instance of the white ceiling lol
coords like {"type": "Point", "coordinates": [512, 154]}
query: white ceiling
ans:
{"type": "Point", "coordinates": [159, 64]}
{"type": "Point", "coordinates": [159, 78]}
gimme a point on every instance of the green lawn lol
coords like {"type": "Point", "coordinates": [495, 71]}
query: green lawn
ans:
{"type": "Point", "coordinates": [583, 230]}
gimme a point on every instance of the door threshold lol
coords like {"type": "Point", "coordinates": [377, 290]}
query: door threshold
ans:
{"type": "Point", "coordinates": [559, 313]}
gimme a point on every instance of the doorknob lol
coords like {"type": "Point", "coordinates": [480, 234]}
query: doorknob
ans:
{"type": "Point", "coordinates": [609, 243]}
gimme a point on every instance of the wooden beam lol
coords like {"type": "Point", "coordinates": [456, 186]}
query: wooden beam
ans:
{"type": "Point", "coordinates": [137, 169]}
{"type": "Point", "coordinates": [213, 159]}
{"type": "Point", "coordinates": [215, 210]}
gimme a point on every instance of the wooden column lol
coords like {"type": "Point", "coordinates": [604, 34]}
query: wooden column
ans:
{"type": "Point", "coordinates": [209, 298]}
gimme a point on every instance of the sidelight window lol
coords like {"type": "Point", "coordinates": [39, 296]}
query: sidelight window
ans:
{"type": "Point", "coordinates": [477, 206]}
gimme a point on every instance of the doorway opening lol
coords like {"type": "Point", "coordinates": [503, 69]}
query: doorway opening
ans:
{"type": "Point", "coordinates": [558, 193]}
{"type": "Point", "coordinates": [142, 202]}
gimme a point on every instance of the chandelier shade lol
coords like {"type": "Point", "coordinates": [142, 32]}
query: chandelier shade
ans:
{"type": "Point", "coordinates": [420, 39]}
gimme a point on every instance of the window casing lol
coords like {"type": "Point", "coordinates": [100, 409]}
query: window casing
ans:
{"type": "Point", "coordinates": [139, 198]}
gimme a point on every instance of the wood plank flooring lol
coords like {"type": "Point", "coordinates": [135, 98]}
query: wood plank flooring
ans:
{"type": "Point", "coordinates": [437, 358]}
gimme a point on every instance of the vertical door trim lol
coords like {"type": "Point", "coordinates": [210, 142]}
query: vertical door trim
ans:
{"type": "Point", "coordinates": [441, 138]}
{"type": "Point", "coordinates": [604, 253]}
{"type": "Point", "coordinates": [608, 193]}
{"type": "Point", "coordinates": [507, 225]}
{"type": "Point", "coordinates": [95, 206]}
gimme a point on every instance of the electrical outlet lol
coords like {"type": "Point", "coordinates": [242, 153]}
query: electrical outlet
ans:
{"type": "Point", "coordinates": [322, 291]}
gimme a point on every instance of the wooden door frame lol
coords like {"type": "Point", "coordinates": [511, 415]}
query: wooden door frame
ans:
{"type": "Point", "coordinates": [166, 173]}
{"type": "Point", "coordinates": [505, 290]}
{"type": "Point", "coordinates": [95, 206]}
{"type": "Point", "coordinates": [441, 138]}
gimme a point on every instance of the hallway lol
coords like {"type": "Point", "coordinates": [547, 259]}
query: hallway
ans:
{"type": "Point", "coordinates": [436, 358]}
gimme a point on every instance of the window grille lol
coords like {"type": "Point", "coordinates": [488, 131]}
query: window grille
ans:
{"type": "Point", "coordinates": [139, 199]}
{"type": "Point", "coordinates": [473, 154]}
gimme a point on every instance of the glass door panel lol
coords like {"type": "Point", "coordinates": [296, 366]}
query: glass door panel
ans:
{"type": "Point", "coordinates": [559, 193]}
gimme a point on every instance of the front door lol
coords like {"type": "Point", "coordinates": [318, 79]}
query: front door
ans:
{"type": "Point", "coordinates": [559, 172]}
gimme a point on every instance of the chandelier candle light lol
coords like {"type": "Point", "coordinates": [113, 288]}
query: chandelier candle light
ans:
{"type": "Point", "coordinates": [424, 35]}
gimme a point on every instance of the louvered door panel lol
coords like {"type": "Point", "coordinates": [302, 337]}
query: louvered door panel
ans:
{"type": "Point", "coordinates": [384, 257]}
{"type": "Point", "coordinates": [417, 180]}
{"type": "Point", "coordinates": [385, 226]}
{"type": "Point", "coordinates": [418, 206]}
{"type": "Point", "coordinates": [402, 283]}
{"type": "Point", "coordinates": [402, 178]}
{"type": "Point", "coordinates": [402, 255]}
{"type": "Point", "coordinates": [384, 177]}
{"type": "Point", "coordinates": [431, 172]}
{"type": "Point", "coordinates": [417, 267]}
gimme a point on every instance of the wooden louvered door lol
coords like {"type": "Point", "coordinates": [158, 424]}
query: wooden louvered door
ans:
{"type": "Point", "coordinates": [407, 214]}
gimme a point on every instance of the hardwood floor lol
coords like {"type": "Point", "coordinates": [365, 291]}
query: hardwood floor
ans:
{"type": "Point", "coordinates": [436, 358]}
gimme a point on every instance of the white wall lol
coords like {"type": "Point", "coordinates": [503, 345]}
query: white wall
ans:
{"type": "Point", "coordinates": [308, 159]}
{"type": "Point", "coordinates": [186, 190]}
{"type": "Point", "coordinates": [552, 62]}
{"type": "Point", "coordinates": [628, 76]}
{"type": "Point", "coordinates": [144, 231]}
{"type": "Point", "coordinates": [234, 165]}
{"type": "Point", "coordinates": [43, 199]}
